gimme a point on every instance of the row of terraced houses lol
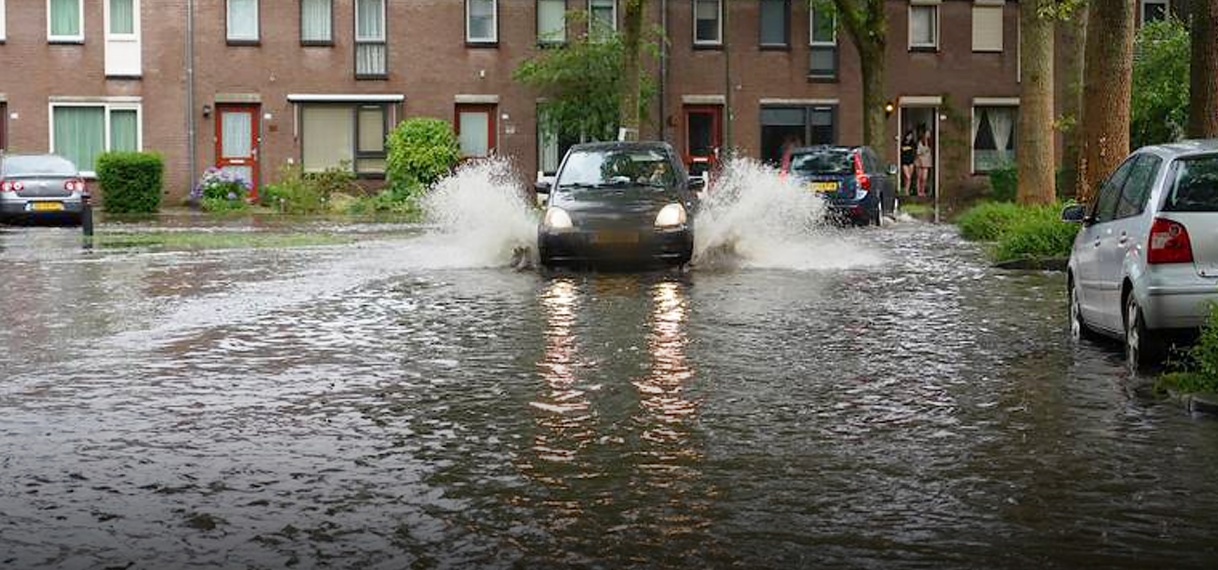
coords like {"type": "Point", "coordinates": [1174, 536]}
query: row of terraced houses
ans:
{"type": "Point", "coordinates": [250, 85]}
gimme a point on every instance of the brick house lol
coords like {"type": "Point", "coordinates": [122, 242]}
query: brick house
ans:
{"type": "Point", "coordinates": [250, 85]}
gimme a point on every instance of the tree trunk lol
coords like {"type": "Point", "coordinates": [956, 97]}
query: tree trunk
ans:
{"type": "Point", "coordinates": [1074, 37]}
{"type": "Point", "coordinates": [1034, 147]}
{"type": "Point", "coordinates": [632, 29]}
{"type": "Point", "coordinates": [1203, 87]}
{"type": "Point", "coordinates": [1106, 92]}
{"type": "Point", "coordinates": [874, 118]}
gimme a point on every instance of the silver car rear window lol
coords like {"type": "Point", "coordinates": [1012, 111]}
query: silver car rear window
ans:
{"type": "Point", "coordinates": [1195, 186]}
{"type": "Point", "coordinates": [38, 166]}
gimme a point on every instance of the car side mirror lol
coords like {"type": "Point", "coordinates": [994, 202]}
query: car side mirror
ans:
{"type": "Point", "coordinates": [697, 183]}
{"type": "Point", "coordinates": [1074, 213]}
{"type": "Point", "coordinates": [543, 186]}
{"type": "Point", "coordinates": [892, 170]}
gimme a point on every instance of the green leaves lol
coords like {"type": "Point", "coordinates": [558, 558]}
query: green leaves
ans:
{"type": "Point", "coordinates": [420, 151]}
{"type": "Point", "coordinates": [130, 182]}
{"type": "Point", "coordinates": [1159, 108]}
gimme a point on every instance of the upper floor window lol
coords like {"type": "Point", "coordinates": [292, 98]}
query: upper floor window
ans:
{"type": "Point", "coordinates": [924, 26]}
{"type": "Point", "coordinates": [242, 21]}
{"type": "Point", "coordinates": [316, 22]}
{"type": "Point", "coordinates": [370, 49]}
{"type": "Point", "coordinates": [987, 25]}
{"type": "Point", "coordinates": [551, 21]}
{"type": "Point", "coordinates": [481, 21]}
{"type": "Point", "coordinates": [708, 22]}
{"type": "Point", "coordinates": [602, 18]}
{"type": "Point", "coordinates": [1154, 10]}
{"type": "Point", "coordinates": [822, 40]}
{"type": "Point", "coordinates": [775, 28]}
{"type": "Point", "coordinates": [121, 18]}
{"type": "Point", "coordinates": [64, 21]}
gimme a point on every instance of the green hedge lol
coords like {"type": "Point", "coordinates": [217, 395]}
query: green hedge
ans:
{"type": "Point", "coordinates": [420, 151]}
{"type": "Point", "coordinates": [989, 220]}
{"type": "Point", "coordinates": [130, 182]}
{"type": "Point", "coordinates": [1200, 366]}
{"type": "Point", "coordinates": [1019, 232]}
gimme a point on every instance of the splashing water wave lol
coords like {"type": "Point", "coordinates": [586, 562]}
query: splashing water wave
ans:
{"type": "Point", "coordinates": [752, 217]}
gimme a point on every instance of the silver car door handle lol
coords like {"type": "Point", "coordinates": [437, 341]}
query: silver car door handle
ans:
{"type": "Point", "coordinates": [1097, 243]}
{"type": "Point", "coordinates": [1124, 240]}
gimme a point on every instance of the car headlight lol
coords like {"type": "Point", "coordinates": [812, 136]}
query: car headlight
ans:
{"type": "Point", "coordinates": [557, 219]}
{"type": "Point", "coordinates": [670, 216]}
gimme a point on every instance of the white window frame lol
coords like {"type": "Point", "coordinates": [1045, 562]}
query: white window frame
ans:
{"type": "Point", "coordinates": [914, 5]}
{"type": "Point", "coordinates": [989, 6]}
{"type": "Point", "coordinates": [228, 18]}
{"type": "Point", "coordinates": [79, 38]}
{"type": "Point", "coordinates": [123, 56]}
{"type": "Point", "coordinates": [494, 38]}
{"type": "Point", "coordinates": [108, 105]}
{"type": "Point", "coordinates": [814, 44]}
{"type": "Point", "coordinates": [718, 41]}
{"type": "Point", "coordinates": [383, 39]}
{"type": "Point", "coordinates": [2, 10]}
{"type": "Point", "coordinates": [591, 2]}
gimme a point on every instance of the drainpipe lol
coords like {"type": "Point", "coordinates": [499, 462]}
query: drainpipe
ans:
{"type": "Point", "coordinates": [664, 70]}
{"type": "Point", "coordinates": [190, 95]}
{"type": "Point", "coordinates": [727, 82]}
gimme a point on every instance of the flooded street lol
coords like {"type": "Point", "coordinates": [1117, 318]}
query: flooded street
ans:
{"type": "Point", "coordinates": [887, 401]}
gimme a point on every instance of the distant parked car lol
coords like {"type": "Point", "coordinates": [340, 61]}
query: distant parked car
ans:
{"type": "Point", "coordinates": [40, 186]}
{"type": "Point", "coordinates": [1145, 263]}
{"type": "Point", "coordinates": [619, 202]}
{"type": "Point", "coordinates": [853, 181]}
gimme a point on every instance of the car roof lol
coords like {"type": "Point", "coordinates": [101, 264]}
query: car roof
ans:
{"type": "Point", "coordinates": [1183, 148]}
{"type": "Point", "coordinates": [624, 145]}
{"type": "Point", "coordinates": [842, 148]}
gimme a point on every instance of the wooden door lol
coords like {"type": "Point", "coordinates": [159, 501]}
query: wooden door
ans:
{"type": "Point", "coordinates": [237, 142]}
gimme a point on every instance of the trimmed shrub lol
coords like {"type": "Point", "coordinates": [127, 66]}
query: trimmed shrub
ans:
{"type": "Point", "coordinates": [420, 151]}
{"type": "Point", "coordinates": [1038, 236]}
{"type": "Point", "coordinates": [130, 182]}
{"type": "Point", "coordinates": [1003, 183]}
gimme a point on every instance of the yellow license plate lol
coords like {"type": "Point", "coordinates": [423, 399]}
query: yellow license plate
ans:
{"type": "Point", "coordinates": [615, 237]}
{"type": "Point", "coordinates": [46, 206]}
{"type": "Point", "coordinates": [824, 186]}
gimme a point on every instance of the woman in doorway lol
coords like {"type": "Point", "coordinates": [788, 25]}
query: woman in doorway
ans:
{"type": "Point", "coordinates": [924, 161]}
{"type": "Point", "coordinates": [907, 162]}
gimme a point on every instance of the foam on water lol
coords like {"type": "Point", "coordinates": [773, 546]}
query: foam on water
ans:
{"type": "Point", "coordinates": [752, 217]}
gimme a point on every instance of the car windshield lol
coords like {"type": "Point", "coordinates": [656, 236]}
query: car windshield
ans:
{"type": "Point", "coordinates": [1195, 188]}
{"type": "Point", "coordinates": [823, 161]}
{"type": "Point", "coordinates": [38, 166]}
{"type": "Point", "coordinates": [592, 169]}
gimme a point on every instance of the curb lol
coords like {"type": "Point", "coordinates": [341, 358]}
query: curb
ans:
{"type": "Point", "coordinates": [1203, 403]}
{"type": "Point", "coordinates": [1035, 264]}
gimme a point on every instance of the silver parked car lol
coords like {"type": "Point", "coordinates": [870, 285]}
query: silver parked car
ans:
{"type": "Point", "coordinates": [1144, 266]}
{"type": "Point", "coordinates": [39, 186]}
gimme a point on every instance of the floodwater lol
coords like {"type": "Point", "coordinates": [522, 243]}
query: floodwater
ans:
{"type": "Point", "coordinates": [854, 398]}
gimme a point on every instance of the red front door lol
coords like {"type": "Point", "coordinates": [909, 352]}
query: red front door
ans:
{"type": "Point", "coordinates": [703, 137]}
{"type": "Point", "coordinates": [237, 142]}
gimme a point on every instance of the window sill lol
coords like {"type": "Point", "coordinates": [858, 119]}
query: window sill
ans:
{"type": "Point", "coordinates": [66, 41]}
{"type": "Point", "coordinates": [370, 175]}
{"type": "Point", "coordinates": [923, 49]}
{"type": "Point", "coordinates": [244, 43]}
{"type": "Point", "coordinates": [551, 44]}
{"type": "Point", "coordinates": [125, 77]}
{"type": "Point", "coordinates": [993, 51]}
{"type": "Point", "coordinates": [774, 47]}
{"type": "Point", "coordinates": [372, 77]}
{"type": "Point", "coordinates": [708, 46]}
{"type": "Point", "coordinates": [317, 43]}
{"type": "Point", "coordinates": [488, 44]}
{"type": "Point", "coordinates": [819, 78]}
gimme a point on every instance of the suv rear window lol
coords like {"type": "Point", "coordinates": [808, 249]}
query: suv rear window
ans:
{"type": "Point", "coordinates": [1195, 188]}
{"type": "Point", "coordinates": [827, 161]}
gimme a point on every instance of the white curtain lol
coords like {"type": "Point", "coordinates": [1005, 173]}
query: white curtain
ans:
{"type": "Point", "coordinates": [922, 25]}
{"type": "Point", "coordinates": [65, 18]}
{"type": "Point", "coordinates": [327, 136]}
{"type": "Point", "coordinates": [122, 17]}
{"type": "Point", "coordinates": [315, 20]}
{"type": "Point", "coordinates": [242, 19]}
{"type": "Point", "coordinates": [236, 128]}
{"type": "Point", "coordinates": [475, 125]}
{"type": "Point", "coordinates": [369, 24]}
{"type": "Point", "coordinates": [1001, 119]}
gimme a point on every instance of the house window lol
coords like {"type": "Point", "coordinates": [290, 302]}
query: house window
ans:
{"type": "Point", "coordinates": [987, 26]}
{"type": "Point", "coordinates": [351, 137]}
{"type": "Point", "coordinates": [64, 21]}
{"type": "Point", "coordinates": [122, 18]}
{"type": "Point", "coordinates": [242, 21]}
{"type": "Point", "coordinates": [602, 18]}
{"type": "Point", "coordinates": [552, 146]}
{"type": "Point", "coordinates": [798, 125]}
{"type": "Point", "coordinates": [775, 28]}
{"type": "Point", "coordinates": [316, 22]}
{"type": "Point", "coordinates": [993, 137]}
{"type": "Point", "coordinates": [1154, 10]}
{"type": "Point", "coordinates": [822, 38]}
{"type": "Point", "coordinates": [80, 133]}
{"type": "Point", "coordinates": [924, 27]}
{"type": "Point", "coordinates": [370, 39]}
{"type": "Point", "coordinates": [481, 25]}
{"type": "Point", "coordinates": [551, 22]}
{"type": "Point", "coordinates": [123, 53]}
{"type": "Point", "coordinates": [708, 22]}
{"type": "Point", "coordinates": [476, 130]}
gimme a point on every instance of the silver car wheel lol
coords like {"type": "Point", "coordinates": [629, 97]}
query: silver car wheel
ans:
{"type": "Point", "coordinates": [1076, 315]}
{"type": "Point", "coordinates": [1133, 337]}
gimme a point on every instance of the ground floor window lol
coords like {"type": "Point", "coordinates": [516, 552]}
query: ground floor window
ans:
{"type": "Point", "coordinates": [476, 129]}
{"type": "Point", "coordinates": [783, 126]}
{"type": "Point", "coordinates": [82, 132]}
{"type": "Point", "coordinates": [3, 126]}
{"type": "Point", "coordinates": [551, 146]}
{"type": "Point", "coordinates": [341, 135]}
{"type": "Point", "coordinates": [993, 137]}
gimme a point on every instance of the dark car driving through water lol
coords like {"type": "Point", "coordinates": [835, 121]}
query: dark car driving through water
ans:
{"type": "Point", "coordinates": [851, 180]}
{"type": "Point", "coordinates": [619, 202]}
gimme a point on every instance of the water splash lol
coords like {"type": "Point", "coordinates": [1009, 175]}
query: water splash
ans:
{"type": "Point", "coordinates": [752, 217]}
{"type": "Point", "coordinates": [482, 218]}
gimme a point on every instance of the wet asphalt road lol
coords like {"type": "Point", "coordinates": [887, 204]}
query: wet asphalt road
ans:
{"type": "Point", "coordinates": [379, 405]}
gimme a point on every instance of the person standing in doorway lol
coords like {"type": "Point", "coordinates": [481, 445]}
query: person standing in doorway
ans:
{"type": "Point", "coordinates": [908, 155]}
{"type": "Point", "coordinates": [924, 161]}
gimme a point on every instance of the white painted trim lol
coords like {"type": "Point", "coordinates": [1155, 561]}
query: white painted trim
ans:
{"type": "Point", "coordinates": [466, 99]}
{"type": "Point", "coordinates": [798, 102]}
{"type": "Point", "coordinates": [703, 100]}
{"type": "Point", "coordinates": [344, 98]}
{"type": "Point", "coordinates": [494, 25]}
{"type": "Point", "coordinates": [257, 23]}
{"type": "Point", "coordinates": [98, 100]}
{"type": "Point", "coordinates": [694, 23]}
{"type": "Point", "coordinates": [995, 101]}
{"type": "Point", "coordinates": [925, 2]}
{"type": "Point", "coordinates": [920, 100]}
{"type": "Point", "coordinates": [123, 55]}
{"type": "Point", "coordinates": [2, 10]}
{"type": "Point", "coordinates": [78, 38]}
{"type": "Point", "coordinates": [989, 2]}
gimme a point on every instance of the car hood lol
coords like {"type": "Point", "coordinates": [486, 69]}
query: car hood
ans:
{"type": "Point", "coordinates": [619, 200]}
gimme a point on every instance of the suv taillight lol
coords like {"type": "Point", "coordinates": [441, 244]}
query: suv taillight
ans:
{"type": "Point", "coordinates": [1169, 243]}
{"type": "Point", "coordinates": [11, 186]}
{"type": "Point", "coordinates": [860, 176]}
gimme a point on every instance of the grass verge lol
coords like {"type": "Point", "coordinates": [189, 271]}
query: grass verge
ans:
{"type": "Point", "coordinates": [215, 240]}
{"type": "Point", "coordinates": [1019, 232]}
{"type": "Point", "coordinates": [1198, 371]}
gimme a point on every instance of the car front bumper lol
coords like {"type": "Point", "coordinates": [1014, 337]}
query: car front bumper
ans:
{"type": "Point", "coordinates": [616, 246]}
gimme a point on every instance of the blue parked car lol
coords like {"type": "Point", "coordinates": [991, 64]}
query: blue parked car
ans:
{"type": "Point", "coordinates": [850, 178]}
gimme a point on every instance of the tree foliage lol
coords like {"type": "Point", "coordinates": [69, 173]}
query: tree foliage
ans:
{"type": "Point", "coordinates": [1159, 108]}
{"type": "Point", "coordinates": [866, 23]}
{"type": "Point", "coordinates": [420, 151]}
